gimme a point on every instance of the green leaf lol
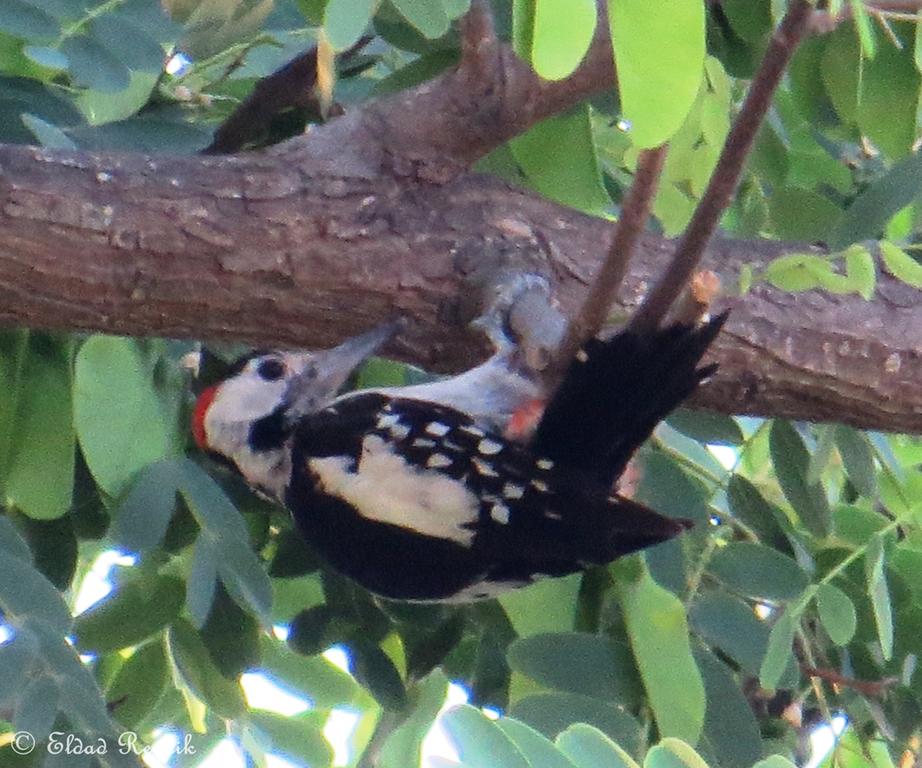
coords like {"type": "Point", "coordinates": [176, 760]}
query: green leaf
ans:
{"type": "Point", "coordinates": [40, 481]}
{"type": "Point", "coordinates": [673, 753]}
{"type": "Point", "coordinates": [563, 30]}
{"type": "Point", "coordinates": [121, 421]}
{"type": "Point", "coordinates": [55, 548]}
{"type": "Point", "coordinates": [535, 748]}
{"type": "Point", "coordinates": [552, 713]}
{"type": "Point", "coordinates": [48, 134]}
{"type": "Point", "coordinates": [194, 663]}
{"type": "Point", "coordinates": [858, 458]}
{"type": "Point", "coordinates": [428, 16]}
{"type": "Point", "coordinates": [231, 636]}
{"type": "Point", "coordinates": [132, 46]}
{"type": "Point", "coordinates": [819, 459]}
{"type": "Point", "coordinates": [139, 684]}
{"type": "Point", "coordinates": [779, 651]}
{"type": "Point", "coordinates": [346, 20]}
{"type": "Point", "coordinates": [573, 177]}
{"type": "Point", "coordinates": [879, 594]}
{"type": "Point", "coordinates": [865, 29]}
{"type": "Point", "coordinates": [314, 678]}
{"type": "Point", "coordinates": [376, 672]}
{"type": "Point", "coordinates": [202, 582]}
{"type": "Point", "coordinates": [546, 606]}
{"type": "Point", "coordinates": [130, 614]}
{"type": "Point", "coordinates": [27, 594]}
{"type": "Point", "coordinates": [402, 747]}
{"type": "Point", "coordinates": [480, 743]}
{"type": "Point", "coordinates": [587, 747]}
{"type": "Point", "coordinates": [299, 737]}
{"type": "Point", "coordinates": [37, 708]}
{"type": "Point", "coordinates": [657, 629]}
{"type": "Point", "coordinates": [11, 541]}
{"type": "Point", "coordinates": [727, 623]}
{"type": "Point", "coordinates": [93, 66]}
{"type": "Point", "coordinates": [774, 761]}
{"type": "Point", "coordinates": [80, 699]}
{"type": "Point", "coordinates": [659, 56]}
{"type": "Point", "coordinates": [837, 612]}
{"type": "Point", "coordinates": [860, 270]}
{"type": "Point", "coordinates": [791, 461]}
{"type": "Point", "coordinates": [804, 272]}
{"type": "Point", "coordinates": [128, 131]}
{"type": "Point", "coordinates": [885, 197]}
{"type": "Point", "coordinates": [24, 20]}
{"type": "Point", "coordinates": [14, 350]}
{"type": "Point", "coordinates": [578, 662]}
{"type": "Point", "coordinates": [706, 426]}
{"type": "Point", "coordinates": [800, 214]}
{"type": "Point", "coordinates": [758, 571]}
{"type": "Point", "coordinates": [17, 657]}
{"type": "Point", "coordinates": [901, 265]}
{"type": "Point", "coordinates": [747, 504]}
{"type": "Point", "coordinates": [146, 511]}
{"type": "Point", "coordinates": [731, 733]}
{"type": "Point", "coordinates": [238, 566]}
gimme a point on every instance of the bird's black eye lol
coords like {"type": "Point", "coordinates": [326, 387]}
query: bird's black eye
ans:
{"type": "Point", "coordinates": [271, 369]}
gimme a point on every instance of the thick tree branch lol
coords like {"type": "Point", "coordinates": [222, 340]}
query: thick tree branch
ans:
{"type": "Point", "coordinates": [252, 249]}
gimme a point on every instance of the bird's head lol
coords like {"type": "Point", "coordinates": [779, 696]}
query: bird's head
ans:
{"type": "Point", "coordinates": [248, 418]}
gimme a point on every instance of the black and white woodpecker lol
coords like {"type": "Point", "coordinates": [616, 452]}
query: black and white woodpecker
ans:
{"type": "Point", "coordinates": [419, 492]}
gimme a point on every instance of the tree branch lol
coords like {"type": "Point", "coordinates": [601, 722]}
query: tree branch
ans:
{"type": "Point", "coordinates": [248, 248]}
{"type": "Point", "coordinates": [603, 292]}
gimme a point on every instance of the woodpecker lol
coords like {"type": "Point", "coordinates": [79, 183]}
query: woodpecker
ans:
{"type": "Point", "coordinates": [420, 493]}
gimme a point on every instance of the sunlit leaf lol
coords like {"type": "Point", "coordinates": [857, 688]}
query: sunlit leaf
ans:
{"type": "Point", "coordinates": [901, 265]}
{"type": "Point", "coordinates": [658, 630]}
{"type": "Point", "coordinates": [659, 54]}
{"type": "Point", "coordinates": [563, 30]}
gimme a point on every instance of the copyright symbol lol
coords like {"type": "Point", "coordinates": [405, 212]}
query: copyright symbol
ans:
{"type": "Point", "coordinates": [23, 743]}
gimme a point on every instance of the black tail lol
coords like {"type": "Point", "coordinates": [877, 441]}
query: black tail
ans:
{"type": "Point", "coordinates": [628, 527]}
{"type": "Point", "coordinates": [611, 400]}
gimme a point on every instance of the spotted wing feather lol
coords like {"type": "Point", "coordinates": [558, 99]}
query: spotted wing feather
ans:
{"type": "Point", "coordinates": [473, 512]}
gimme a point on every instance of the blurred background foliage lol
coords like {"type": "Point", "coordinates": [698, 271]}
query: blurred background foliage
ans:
{"type": "Point", "coordinates": [807, 550]}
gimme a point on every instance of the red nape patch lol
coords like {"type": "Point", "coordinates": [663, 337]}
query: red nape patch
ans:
{"type": "Point", "coordinates": [524, 421]}
{"type": "Point", "coordinates": [198, 416]}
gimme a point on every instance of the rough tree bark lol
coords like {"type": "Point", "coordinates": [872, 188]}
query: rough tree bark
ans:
{"type": "Point", "coordinates": [375, 214]}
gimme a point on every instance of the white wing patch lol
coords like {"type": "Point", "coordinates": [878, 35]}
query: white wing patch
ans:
{"type": "Point", "coordinates": [384, 488]}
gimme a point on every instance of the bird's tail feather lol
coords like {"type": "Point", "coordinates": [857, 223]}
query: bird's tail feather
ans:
{"type": "Point", "coordinates": [616, 392]}
{"type": "Point", "coordinates": [629, 527]}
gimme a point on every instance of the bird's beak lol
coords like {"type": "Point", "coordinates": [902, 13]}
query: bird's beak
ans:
{"type": "Point", "coordinates": [324, 373]}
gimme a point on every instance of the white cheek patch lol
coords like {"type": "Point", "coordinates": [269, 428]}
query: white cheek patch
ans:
{"type": "Point", "coordinates": [384, 488]}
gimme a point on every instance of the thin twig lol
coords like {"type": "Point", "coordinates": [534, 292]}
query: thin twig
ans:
{"type": "Point", "coordinates": [604, 290]}
{"type": "Point", "coordinates": [690, 248]}
{"type": "Point", "coordinates": [871, 688]}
